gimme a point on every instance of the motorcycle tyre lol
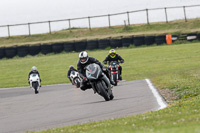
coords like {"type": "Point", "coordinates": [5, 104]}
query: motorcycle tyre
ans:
{"type": "Point", "coordinates": [77, 82]}
{"type": "Point", "coordinates": [102, 91]}
{"type": "Point", "coordinates": [114, 76]}
{"type": "Point", "coordinates": [35, 86]}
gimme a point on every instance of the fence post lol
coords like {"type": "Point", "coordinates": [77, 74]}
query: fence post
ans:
{"type": "Point", "coordinates": [50, 27]}
{"type": "Point", "coordinates": [185, 13]}
{"type": "Point", "coordinates": [89, 23]}
{"type": "Point", "coordinates": [8, 31]}
{"type": "Point", "coordinates": [69, 25]}
{"type": "Point", "coordinates": [109, 20]}
{"type": "Point", "coordinates": [29, 29]}
{"type": "Point", "coordinates": [166, 15]}
{"type": "Point", "coordinates": [128, 18]}
{"type": "Point", "coordinates": [147, 16]}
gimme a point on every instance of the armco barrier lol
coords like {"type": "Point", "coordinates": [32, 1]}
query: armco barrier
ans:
{"type": "Point", "coordinates": [69, 46]}
{"type": "Point", "coordinates": [46, 48]}
{"type": "Point", "coordinates": [34, 49]}
{"type": "Point", "coordinates": [103, 43]}
{"type": "Point", "coordinates": [22, 51]}
{"type": "Point", "coordinates": [57, 47]}
{"type": "Point", "coordinates": [10, 52]}
{"type": "Point", "coordinates": [139, 40]}
{"type": "Point", "coordinates": [161, 39]}
{"type": "Point", "coordinates": [92, 44]}
{"type": "Point", "coordinates": [127, 41]}
{"type": "Point", "coordinates": [149, 40]}
{"type": "Point", "coordinates": [80, 46]}
{"type": "Point", "coordinates": [115, 43]}
{"type": "Point", "coordinates": [2, 52]}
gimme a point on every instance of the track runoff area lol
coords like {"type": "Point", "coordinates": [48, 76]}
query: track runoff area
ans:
{"type": "Point", "coordinates": [62, 105]}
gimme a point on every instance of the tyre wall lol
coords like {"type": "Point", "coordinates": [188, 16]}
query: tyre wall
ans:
{"type": "Point", "coordinates": [161, 39]}
{"type": "Point", "coordinates": [80, 46]}
{"type": "Point", "coordinates": [46, 49]}
{"type": "Point", "coordinates": [34, 49]}
{"type": "Point", "coordinates": [103, 43]}
{"type": "Point", "coordinates": [92, 44]}
{"type": "Point", "coordinates": [58, 47]}
{"type": "Point", "coordinates": [127, 41]}
{"type": "Point", "coordinates": [115, 43]}
{"type": "Point", "coordinates": [10, 52]}
{"type": "Point", "coordinates": [22, 51]}
{"type": "Point", "coordinates": [69, 46]}
{"type": "Point", "coordinates": [2, 52]}
{"type": "Point", "coordinates": [149, 40]}
{"type": "Point", "coordinates": [139, 40]}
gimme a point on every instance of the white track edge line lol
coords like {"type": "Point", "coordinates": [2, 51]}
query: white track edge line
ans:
{"type": "Point", "coordinates": [158, 97]}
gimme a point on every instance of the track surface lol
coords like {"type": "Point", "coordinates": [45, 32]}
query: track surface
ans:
{"type": "Point", "coordinates": [61, 105]}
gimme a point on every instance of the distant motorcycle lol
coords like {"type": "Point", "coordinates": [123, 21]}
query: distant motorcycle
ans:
{"type": "Point", "coordinates": [34, 81]}
{"type": "Point", "coordinates": [75, 78]}
{"type": "Point", "coordinates": [100, 83]}
{"type": "Point", "coordinates": [114, 72]}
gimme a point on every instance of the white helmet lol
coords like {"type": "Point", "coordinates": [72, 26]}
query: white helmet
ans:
{"type": "Point", "coordinates": [34, 68]}
{"type": "Point", "coordinates": [83, 56]}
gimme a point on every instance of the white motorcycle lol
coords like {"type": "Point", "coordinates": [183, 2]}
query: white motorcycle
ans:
{"type": "Point", "coordinates": [34, 81]}
{"type": "Point", "coordinates": [75, 78]}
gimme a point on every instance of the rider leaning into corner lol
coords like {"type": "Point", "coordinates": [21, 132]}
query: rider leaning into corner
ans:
{"type": "Point", "coordinates": [34, 71]}
{"type": "Point", "coordinates": [71, 68]}
{"type": "Point", "coordinates": [114, 57]}
{"type": "Point", "coordinates": [83, 61]}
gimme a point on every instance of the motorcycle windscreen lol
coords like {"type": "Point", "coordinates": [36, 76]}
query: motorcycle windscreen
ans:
{"type": "Point", "coordinates": [113, 63]}
{"type": "Point", "coordinates": [93, 71]}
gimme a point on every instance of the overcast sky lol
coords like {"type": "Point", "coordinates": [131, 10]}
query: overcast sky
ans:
{"type": "Point", "coordinates": [19, 11]}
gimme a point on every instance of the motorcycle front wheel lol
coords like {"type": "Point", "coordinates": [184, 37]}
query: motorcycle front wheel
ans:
{"type": "Point", "coordinates": [102, 91]}
{"type": "Point", "coordinates": [114, 78]}
{"type": "Point", "coordinates": [35, 86]}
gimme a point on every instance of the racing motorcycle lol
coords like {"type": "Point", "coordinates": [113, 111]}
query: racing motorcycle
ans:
{"type": "Point", "coordinates": [114, 72]}
{"type": "Point", "coordinates": [34, 81]}
{"type": "Point", "coordinates": [99, 82]}
{"type": "Point", "coordinates": [75, 78]}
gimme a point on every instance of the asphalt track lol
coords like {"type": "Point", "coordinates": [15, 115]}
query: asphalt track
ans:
{"type": "Point", "coordinates": [60, 105]}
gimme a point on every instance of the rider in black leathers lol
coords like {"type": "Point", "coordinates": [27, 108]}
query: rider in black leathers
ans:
{"type": "Point", "coordinates": [34, 71]}
{"type": "Point", "coordinates": [114, 57]}
{"type": "Point", "coordinates": [83, 61]}
{"type": "Point", "coordinates": [71, 68]}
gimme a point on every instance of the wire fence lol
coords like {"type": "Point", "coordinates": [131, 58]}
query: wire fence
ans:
{"type": "Point", "coordinates": [101, 20]}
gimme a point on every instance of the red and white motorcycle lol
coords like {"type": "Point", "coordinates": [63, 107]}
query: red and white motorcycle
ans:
{"type": "Point", "coordinates": [114, 72]}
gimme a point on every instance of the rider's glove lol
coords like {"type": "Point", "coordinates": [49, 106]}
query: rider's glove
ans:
{"type": "Point", "coordinates": [85, 79]}
{"type": "Point", "coordinates": [121, 61]}
{"type": "Point", "coordinates": [104, 62]}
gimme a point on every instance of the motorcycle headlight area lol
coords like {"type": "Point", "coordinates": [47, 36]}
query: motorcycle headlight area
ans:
{"type": "Point", "coordinates": [93, 75]}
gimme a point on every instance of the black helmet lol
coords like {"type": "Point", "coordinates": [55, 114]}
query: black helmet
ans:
{"type": "Point", "coordinates": [71, 67]}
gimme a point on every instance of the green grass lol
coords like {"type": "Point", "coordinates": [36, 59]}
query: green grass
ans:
{"type": "Point", "coordinates": [175, 27]}
{"type": "Point", "coordinates": [175, 67]}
